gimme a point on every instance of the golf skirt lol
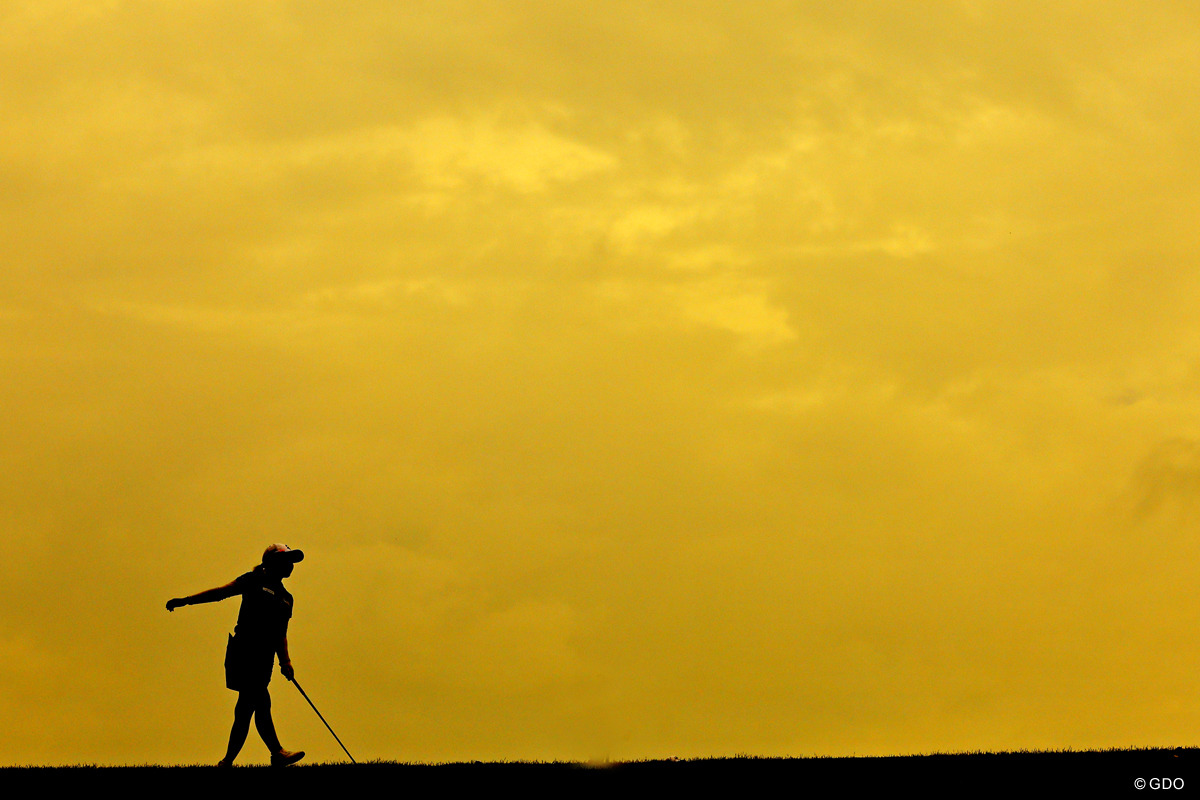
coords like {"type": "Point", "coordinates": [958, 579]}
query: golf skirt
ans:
{"type": "Point", "coordinates": [248, 664]}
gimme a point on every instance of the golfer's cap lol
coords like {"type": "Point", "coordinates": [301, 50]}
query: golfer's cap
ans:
{"type": "Point", "coordinates": [283, 553]}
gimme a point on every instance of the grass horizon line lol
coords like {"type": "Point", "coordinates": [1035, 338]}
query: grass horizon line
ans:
{"type": "Point", "coordinates": [669, 760]}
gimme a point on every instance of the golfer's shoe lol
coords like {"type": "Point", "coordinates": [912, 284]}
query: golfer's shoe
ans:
{"type": "Point", "coordinates": [224, 762]}
{"type": "Point", "coordinates": [283, 758]}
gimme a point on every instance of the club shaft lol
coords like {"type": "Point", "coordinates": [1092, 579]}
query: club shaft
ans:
{"type": "Point", "coordinates": [314, 708]}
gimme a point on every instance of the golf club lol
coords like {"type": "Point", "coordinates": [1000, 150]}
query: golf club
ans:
{"type": "Point", "coordinates": [314, 708]}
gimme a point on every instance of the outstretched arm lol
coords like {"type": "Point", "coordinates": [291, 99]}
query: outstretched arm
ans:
{"type": "Point", "coordinates": [207, 596]}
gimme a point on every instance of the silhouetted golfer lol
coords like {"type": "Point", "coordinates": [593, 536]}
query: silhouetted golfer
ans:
{"type": "Point", "coordinates": [261, 632]}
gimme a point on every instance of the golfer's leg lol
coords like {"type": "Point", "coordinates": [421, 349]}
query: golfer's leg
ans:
{"type": "Point", "coordinates": [241, 724]}
{"type": "Point", "coordinates": [264, 723]}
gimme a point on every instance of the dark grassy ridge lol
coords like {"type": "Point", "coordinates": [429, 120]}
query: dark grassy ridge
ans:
{"type": "Point", "coordinates": [1063, 773]}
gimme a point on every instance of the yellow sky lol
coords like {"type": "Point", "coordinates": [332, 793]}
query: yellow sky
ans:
{"type": "Point", "coordinates": [641, 379]}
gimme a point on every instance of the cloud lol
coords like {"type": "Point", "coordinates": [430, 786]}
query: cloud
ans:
{"type": "Point", "coordinates": [684, 378]}
{"type": "Point", "coordinates": [1169, 478]}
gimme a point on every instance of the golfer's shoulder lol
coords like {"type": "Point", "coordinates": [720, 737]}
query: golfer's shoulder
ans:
{"type": "Point", "coordinates": [244, 581]}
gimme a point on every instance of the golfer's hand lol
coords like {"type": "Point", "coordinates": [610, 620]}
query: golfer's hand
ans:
{"type": "Point", "coordinates": [287, 671]}
{"type": "Point", "coordinates": [174, 603]}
